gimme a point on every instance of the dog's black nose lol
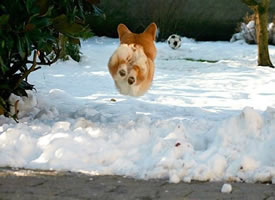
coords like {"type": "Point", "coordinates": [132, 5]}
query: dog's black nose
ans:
{"type": "Point", "coordinates": [131, 80]}
{"type": "Point", "coordinates": [122, 72]}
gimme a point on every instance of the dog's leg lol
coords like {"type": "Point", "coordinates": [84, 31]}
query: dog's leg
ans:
{"type": "Point", "coordinates": [122, 69]}
{"type": "Point", "coordinates": [136, 75]}
{"type": "Point", "coordinates": [139, 68]}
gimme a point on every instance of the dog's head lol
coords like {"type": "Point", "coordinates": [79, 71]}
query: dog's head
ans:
{"type": "Point", "coordinates": [145, 39]}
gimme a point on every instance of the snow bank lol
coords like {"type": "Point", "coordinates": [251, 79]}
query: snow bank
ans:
{"type": "Point", "coordinates": [200, 121]}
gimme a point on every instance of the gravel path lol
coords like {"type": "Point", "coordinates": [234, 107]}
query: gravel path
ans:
{"type": "Point", "coordinates": [24, 184]}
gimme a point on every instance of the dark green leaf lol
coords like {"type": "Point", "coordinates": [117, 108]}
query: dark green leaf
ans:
{"type": "Point", "coordinates": [49, 11]}
{"type": "Point", "coordinates": [4, 19]}
{"type": "Point", "coordinates": [41, 22]}
{"type": "Point", "coordinates": [28, 45]}
{"type": "Point", "coordinates": [21, 51]}
{"type": "Point", "coordinates": [32, 7]}
{"type": "Point", "coordinates": [3, 44]}
{"type": "Point", "coordinates": [3, 66]}
{"type": "Point", "coordinates": [61, 23]}
{"type": "Point", "coordinates": [4, 86]}
{"type": "Point", "coordinates": [43, 6]}
{"type": "Point", "coordinates": [20, 92]}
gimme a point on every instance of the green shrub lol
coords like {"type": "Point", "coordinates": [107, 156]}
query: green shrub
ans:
{"type": "Point", "coordinates": [35, 33]}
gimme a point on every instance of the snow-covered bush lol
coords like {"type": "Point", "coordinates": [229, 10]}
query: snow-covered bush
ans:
{"type": "Point", "coordinates": [271, 33]}
{"type": "Point", "coordinates": [248, 33]}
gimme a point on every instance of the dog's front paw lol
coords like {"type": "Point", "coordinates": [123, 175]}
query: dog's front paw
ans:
{"type": "Point", "coordinates": [122, 73]}
{"type": "Point", "coordinates": [131, 80]}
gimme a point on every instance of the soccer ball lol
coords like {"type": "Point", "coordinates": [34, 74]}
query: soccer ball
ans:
{"type": "Point", "coordinates": [174, 41]}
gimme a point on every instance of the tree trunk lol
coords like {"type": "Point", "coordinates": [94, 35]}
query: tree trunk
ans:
{"type": "Point", "coordinates": [261, 13]}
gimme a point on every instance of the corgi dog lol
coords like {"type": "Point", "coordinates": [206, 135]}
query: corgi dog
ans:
{"type": "Point", "coordinates": [132, 64]}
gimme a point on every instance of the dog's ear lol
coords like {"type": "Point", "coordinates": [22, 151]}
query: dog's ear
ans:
{"type": "Point", "coordinates": [151, 30]}
{"type": "Point", "coordinates": [122, 29]}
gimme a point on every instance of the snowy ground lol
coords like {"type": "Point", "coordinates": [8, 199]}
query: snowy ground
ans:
{"type": "Point", "coordinates": [199, 121]}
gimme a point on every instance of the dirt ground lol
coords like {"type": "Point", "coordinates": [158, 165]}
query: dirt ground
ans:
{"type": "Point", "coordinates": [25, 184]}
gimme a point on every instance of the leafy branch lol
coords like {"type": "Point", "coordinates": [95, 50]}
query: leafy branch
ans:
{"type": "Point", "coordinates": [250, 2]}
{"type": "Point", "coordinates": [49, 30]}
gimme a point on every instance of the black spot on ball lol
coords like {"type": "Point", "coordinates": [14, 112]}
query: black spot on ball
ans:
{"type": "Point", "coordinates": [175, 43]}
{"type": "Point", "coordinates": [173, 36]}
{"type": "Point", "coordinates": [169, 42]}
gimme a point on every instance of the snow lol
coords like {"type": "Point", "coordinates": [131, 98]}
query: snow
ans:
{"type": "Point", "coordinates": [209, 116]}
{"type": "Point", "coordinates": [226, 188]}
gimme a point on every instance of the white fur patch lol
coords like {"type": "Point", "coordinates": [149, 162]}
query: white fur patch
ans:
{"type": "Point", "coordinates": [123, 52]}
{"type": "Point", "coordinates": [126, 89]}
